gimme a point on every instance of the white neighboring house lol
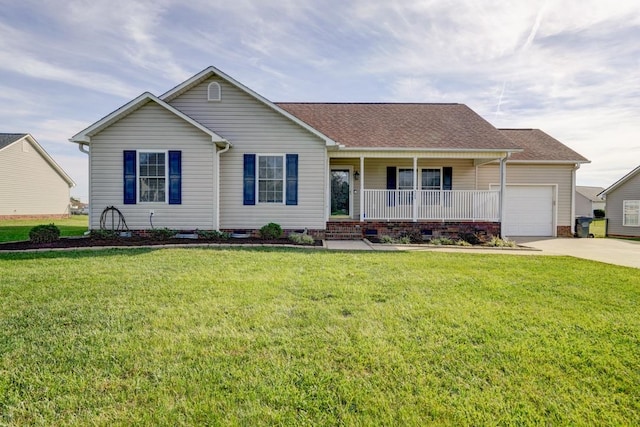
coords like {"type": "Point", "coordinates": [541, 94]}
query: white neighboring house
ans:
{"type": "Point", "coordinates": [588, 200]}
{"type": "Point", "coordinates": [213, 154]}
{"type": "Point", "coordinates": [32, 184]}
{"type": "Point", "coordinates": [623, 206]}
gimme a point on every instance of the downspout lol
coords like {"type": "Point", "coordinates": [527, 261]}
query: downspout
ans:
{"type": "Point", "coordinates": [503, 192]}
{"type": "Point", "coordinates": [573, 198]}
{"type": "Point", "coordinates": [218, 153]}
{"type": "Point", "coordinates": [84, 148]}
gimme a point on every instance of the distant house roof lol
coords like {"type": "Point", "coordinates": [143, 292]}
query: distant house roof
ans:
{"type": "Point", "coordinates": [590, 193]}
{"type": "Point", "coordinates": [402, 126]}
{"type": "Point", "coordinates": [538, 146]}
{"type": "Point", "coordinates": [621, 181]}
{"type": "Point", "coordinates": [7, 139]}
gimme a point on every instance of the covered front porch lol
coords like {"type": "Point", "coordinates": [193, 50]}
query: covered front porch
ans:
{"type": "Point", "coordinates": [415, 186]}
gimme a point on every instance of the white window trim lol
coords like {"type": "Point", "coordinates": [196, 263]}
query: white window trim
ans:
{"type": "Point", "coordinates": [217, 88]}
{"type": "Point", "coordinates": [624, 210]}
{"type": "Point", "coordinates": [284, 178]}
{"type": "Point", "coordinates": [398, 178]}
{"type": "Point", "coordinates": [434, 168]}
{"type": "Point", "coordinates": [166, 175]}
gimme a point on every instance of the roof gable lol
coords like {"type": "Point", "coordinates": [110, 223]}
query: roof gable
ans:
{"type": "Point", "coordinates": [211, 71]}
{"type": "Point", "coordinates": [621, 181]}
{"type": "Point", "coordinates": [402, 126]}
{"type": "Point", "coordinates": [540, 147]}
{"type": "Point", "coordinates": [7, 139]}
{"type": "Point", "coordinates": [85, 135]}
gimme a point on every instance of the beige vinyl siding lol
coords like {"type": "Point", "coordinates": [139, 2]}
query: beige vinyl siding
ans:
{"type": "Point", "coordinates": [629, 190]}
{"type": "Point", "coordinates": [254, 128]}
{"type": "Point", "coordinates": [375, 176]}
{"type": "Point", "coordinates": [152, 127]}
{"type": "Point", "coordinates": [560, 175]}
{"type": "Point", "coordinates": [28, 183]}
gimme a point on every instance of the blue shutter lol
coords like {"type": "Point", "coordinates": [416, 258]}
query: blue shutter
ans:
{"type": "Point", "coordinates": [447, 178]}
{"type": "Point", "coordinates": [292, 179]}
{"type": "Point", "coordinates": [249, 197]}
{"type": "Point", "coordinates": [391, 184]}
{"type": "Point", "coordinates": [129, 177]}
{"type": "Point", "coordinates": [447, 184]}
{"type": "Point", "coordinates": [175, 177]}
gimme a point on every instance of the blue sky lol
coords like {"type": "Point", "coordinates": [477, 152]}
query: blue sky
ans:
{"type": "Point", "coordinates": [570, 68]}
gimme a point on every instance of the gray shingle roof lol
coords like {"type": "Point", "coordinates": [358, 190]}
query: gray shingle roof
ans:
{"type": "Point", "coordinates": [538, 146]}
{"type": "Point", "coordinates": [590, 193]}
{"type": "Point", "coordinates": [10, 138]}
{"type": "Point", "coordinates": [400, 125]}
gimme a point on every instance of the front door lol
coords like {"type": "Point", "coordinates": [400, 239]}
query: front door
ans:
{"type": "Point", "coordinates": [341, 192]}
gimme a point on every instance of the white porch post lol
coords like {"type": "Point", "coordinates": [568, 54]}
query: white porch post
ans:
{"type": "Point", "coordinates": [361, 189]}
{"type": "Point", "coordinates": [415, 189]}
{"type": "Point", "coordinates": [503, 192]}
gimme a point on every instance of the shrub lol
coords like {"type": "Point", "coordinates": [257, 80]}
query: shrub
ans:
{"type": "Point", "coordinates": [104, 234]}
{"type": "Point", "coordinates": [442, 241]}
{"type": "Point", "coordinates": [598, 213]}
{"type": "Point", "coordinates": [161, 233]}
{"type": "Point", "coordinates": [463, 242]}
{"type": "Point", "coordinates": [386, 239]}
{"type": "Point", "coordinates": [44, 233]}
{"type": "Point", "coordinates": [213, 235]}
{"type": "Point", "coordinates": [413, 236]}
{"type": "Point", "coordinates": [497, 242]}
{"type": "Point", "coordinates": [405, 240]}
{"type": "Point", "coordinates": [271, 231]}
{"type": "Point", "coordinates": [301, 238]}
{"type": "Point", "coordinates": [470, 238]}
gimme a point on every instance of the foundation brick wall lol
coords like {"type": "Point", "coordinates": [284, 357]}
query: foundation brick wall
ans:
{"type": "Point", "coordinates": [564, 231]}
{"type": "Point", "coordinates": [355, 230]}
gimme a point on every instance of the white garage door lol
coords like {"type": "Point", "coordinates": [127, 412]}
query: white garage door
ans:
{"type": "Point", "coordinates": [529, 211]}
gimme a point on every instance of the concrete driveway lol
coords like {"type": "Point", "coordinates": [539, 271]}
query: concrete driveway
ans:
{"type": "Point", "coordinates": [612, 251]}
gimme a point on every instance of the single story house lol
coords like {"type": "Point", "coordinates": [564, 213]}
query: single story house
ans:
{"type": "Point", "coordinates": [213, 154]}
{"type": "Point", "coordinates": [32, 184]}
{"type": "Point", "coordinates": [623, 206]}
{"type": "Point", "coordinates": [588, 200]}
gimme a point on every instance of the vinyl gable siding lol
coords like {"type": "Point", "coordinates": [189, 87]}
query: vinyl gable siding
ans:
{"type": "Point", "coordinates": [629, 190]}
{"type": "Point", "coordinates": [30, 186]}
{"type": "Point", "coordinates": [560, 175]}
{"type": "Point", "coordinates": [152, 127]}
{"type": "Point", "coordinates": [254, 128]}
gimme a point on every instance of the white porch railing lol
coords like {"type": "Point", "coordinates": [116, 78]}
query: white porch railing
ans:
{"type": "Point", "coordinates": [440, 205]}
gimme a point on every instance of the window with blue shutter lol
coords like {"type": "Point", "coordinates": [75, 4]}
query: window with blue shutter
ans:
{"type": "Point", "coordinates": [447, 183]}
{"type": "Point", "coordinates": [292, 179]}
{"type": "Point", "coordinates": [175, 177]}
{"type": "Point", "coordinates": [249, 179]}
{"type": "Point", "coordinates": [129, 177]}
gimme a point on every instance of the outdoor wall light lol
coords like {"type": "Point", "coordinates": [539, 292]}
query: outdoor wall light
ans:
{"type": "Point", "coordinates": [356, 175]}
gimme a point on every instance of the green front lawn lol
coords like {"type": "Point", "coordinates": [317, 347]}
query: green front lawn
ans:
{"type": "Point", "coordinates": [12, 230]}
{"type": "Point", "coordinates": [295, 337]}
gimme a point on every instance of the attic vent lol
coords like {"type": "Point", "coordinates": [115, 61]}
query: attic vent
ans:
{"type": "Point", "coordinates": [213, 92]}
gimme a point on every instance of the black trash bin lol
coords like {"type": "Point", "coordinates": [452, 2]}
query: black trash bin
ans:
{"type": "Point", "coordinates": [582, 226]}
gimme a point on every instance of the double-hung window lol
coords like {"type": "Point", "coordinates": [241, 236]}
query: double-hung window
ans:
{"type": "Point", "coordinates": [431, 181]}
{"type": "Point", "coordinates": [152, 176]}
{"type": "Point", "coordinates": [405, 182]}
{"type": "Point", "coordinates": [631, 213]}
{"type": "Point", "coordinates": [270, 179]}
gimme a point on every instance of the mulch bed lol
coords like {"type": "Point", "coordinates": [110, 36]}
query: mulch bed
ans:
{"type": "Point", "coordinates": [87, 242]}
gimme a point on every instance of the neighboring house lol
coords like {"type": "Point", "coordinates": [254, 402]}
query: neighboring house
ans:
{"type": "Point", "coordinates": [588, 200]}
{"type": "Point", "coordinates": [623, 206]}
{"type": "Point", "coordinates": [32, 184]}
{"type": "Point", "coordinates": [213, 154]}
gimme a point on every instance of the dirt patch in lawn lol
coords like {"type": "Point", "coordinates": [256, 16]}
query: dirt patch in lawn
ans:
{"type": "Point", "coordinates": [87, 242]}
